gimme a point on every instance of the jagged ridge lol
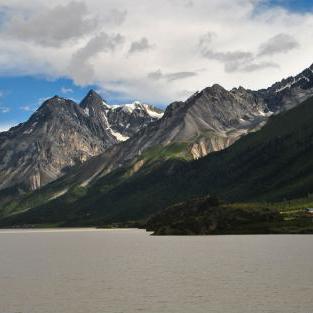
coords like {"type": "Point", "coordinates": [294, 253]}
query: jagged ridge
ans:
{"type": "Point", "coordinates": [61, 134]}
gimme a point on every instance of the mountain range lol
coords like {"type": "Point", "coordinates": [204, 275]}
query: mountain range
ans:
{"type": "Point", "coordinates": [61, 134]}
{"type": "Point", "coordinates": [153, 161]}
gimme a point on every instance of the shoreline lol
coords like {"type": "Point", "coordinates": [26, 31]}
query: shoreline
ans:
{"type": "Point", "coordinates": [21, 230]}
{"type": "Point", "coordinates": [61, 229]}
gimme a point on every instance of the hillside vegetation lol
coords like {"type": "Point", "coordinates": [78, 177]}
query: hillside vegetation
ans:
{"type": "Point", "coordinates": [273, 164]}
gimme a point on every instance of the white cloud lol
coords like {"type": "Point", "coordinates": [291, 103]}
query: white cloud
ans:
{"type": "Point", "coordinates": [6, 126]}
{"type": "Point", "coordinates": [40, 101]}
{"type": "Point", "coordinates": [27, 108]}
{"type": "Point", "coordinates": [34, 107]}
{"type": "Point", "coordinates": [4, 109]}
{"type": "Point", "coordinates": [115, 17]}
{"type": "Point", "coordinates": [93, 45]}
{"type": "Point", "coordinates": [186, 3]}
{"type": "Point", "coordinates": [65, 90]}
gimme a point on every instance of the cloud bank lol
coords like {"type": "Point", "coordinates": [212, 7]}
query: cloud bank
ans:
{"type": "Point", "coordinates": [156, 51]}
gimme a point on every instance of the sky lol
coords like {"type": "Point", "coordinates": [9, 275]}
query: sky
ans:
{"type": "Point", "coordinates": [153, 51]}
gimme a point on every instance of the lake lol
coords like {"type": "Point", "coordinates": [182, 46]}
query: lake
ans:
{"type": "Point", "coordinates": [126, 271]}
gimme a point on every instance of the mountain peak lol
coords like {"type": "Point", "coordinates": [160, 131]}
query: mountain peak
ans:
{"type": "Point", "coordinates": [216, 88]}
{"type": "Point", "coordinates": [56, 97]}
{"type": "Point", "coordinates": [92, 98]}
{"type": "Point", "coordinates": [52, 101]}
{"type": "Point", "coordinates": [92, 93]}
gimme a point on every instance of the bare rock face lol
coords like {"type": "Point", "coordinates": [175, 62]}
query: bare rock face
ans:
{"type": "Point", "coordinates": [210, 120]}
{"type": "Point", "coordinates": [289, 92]}
{"type": "Point", "coordinates": [121, 121]}
{"type": "Point", "coordinates": [61, 134]}
{"type": "Point", "coordinates": [127, 119]}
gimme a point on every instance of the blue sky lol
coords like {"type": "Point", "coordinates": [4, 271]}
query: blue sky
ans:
{"type": "Point", "coordinates": [129, 54]}
{"type": "Point", "coordinates": [294, 5]}
{"type": "Point", "coordinates": [21, 96]}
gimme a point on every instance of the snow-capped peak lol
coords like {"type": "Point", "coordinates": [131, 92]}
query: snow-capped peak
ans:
{"type": "Point", "coordinates": [106, 105]}
{"type": "Point", "coordinates": [137, 105]}
{"type": "Point", "coordinates": [302, 79]}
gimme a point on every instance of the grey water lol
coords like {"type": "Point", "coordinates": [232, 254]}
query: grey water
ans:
{"type": "Point", "coordinates": [126, 271]}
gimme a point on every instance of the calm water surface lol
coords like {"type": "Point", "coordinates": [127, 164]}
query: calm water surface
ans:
{"type": "Point", "coordinates": [94, 271]}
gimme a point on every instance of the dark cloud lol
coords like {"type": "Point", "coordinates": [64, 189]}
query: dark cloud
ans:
{"type": "Point", "coordinates": [51, 27]}
{"type": "Point", "coordinates": [80, 67]}
{"type": "Point", "coordinates": [234, 61]}
{"type": "Point", "coordinates": [251, 66]}
{"type": "Point", "coordinates": [140, 45]}
{"type": "Point", "coordinates": [229, 56]}
{"type": "Point", "coordinates": [157, 75]}
{"type": "Point", "coordinates": [281, 43]}
{"type": "Point", "coordinates": [179, 75]}
{"type": "Point", "coordinates": [207, 50]}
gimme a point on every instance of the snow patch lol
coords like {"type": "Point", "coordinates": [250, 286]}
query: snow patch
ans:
{"type": "Point", "coordinates": [86, 110]}
{"type": "Point", "coordinates": [130, 107]}
{"type": "Point", "coordinates": [118, 136]}
{"type": "Point", "coordinates": [265, 114]}
{"type": "Point", "coordinates": [284, 87]}
{"type": "Point", "coordinates": [106, 105]}
{"type": "Point", "coordinates": [289, 85]}
{"type": "Point", "coordinates": [153, 114]}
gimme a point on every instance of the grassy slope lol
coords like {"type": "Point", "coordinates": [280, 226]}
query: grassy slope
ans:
{"type": "Point", "coordinates": [65, 208]}
{"type": "Point", "coordinates": [270, 165]}
{"type": "Point", "coordinates": [273, 164]}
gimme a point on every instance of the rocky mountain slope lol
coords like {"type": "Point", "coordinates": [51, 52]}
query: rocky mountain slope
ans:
{"type": "Point", "coordinates": [209, 121]}
{"type": "Point", "coordinates": [272, 164]}
{"type": "Point", "coordinates": [289, 92]}
{"type": "Point", "coordinates": [61, 134]}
